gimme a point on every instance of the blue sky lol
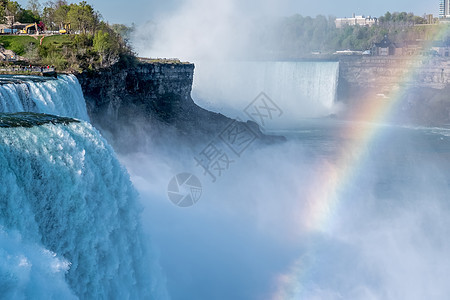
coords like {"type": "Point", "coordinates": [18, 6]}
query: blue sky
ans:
{"type": "Point", "coordinates": [139, 11]}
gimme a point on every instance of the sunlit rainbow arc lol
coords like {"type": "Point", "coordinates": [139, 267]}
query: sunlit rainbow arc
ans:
{"type": "Point", "coordinates": [323, 197]}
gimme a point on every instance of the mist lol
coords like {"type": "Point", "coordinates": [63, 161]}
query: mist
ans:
{"type": "Point", "coordinates": [250, 235]}
{"type": "Point", "coordinates": [255, 232]}
{"type": "Point", "coordinates": [230, 42]}
{"type": "Point", "coordinates": [200, 30]}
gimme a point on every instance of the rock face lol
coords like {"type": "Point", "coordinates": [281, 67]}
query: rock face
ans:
{"type": "Point", "coordinates": [30, 119]}
{"type": "Point", "coordinates": [111, 91]}
{"type": "Point", "coordinates": [420, 85]}
{"type": "Point", "coordinates": [153, 99]}
{"type": "Point", "coordinates": [370, 71]}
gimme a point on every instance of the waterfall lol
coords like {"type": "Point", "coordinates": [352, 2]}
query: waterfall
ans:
{"type": "Point", "coordinates": [299, 89]}
{"type": "Point", "coordinates": [62, 96]}
{"type": "Point", "coordinates": [69, 217]}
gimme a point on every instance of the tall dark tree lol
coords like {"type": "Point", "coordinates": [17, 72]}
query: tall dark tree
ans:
{"type": "Point", "coordinates": [35, 7]}
{"type": "Point", "coordinates": [82, 17]}
{"type": "Point", "coordinates": [12, 11]}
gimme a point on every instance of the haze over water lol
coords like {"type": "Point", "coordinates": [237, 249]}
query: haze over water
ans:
{"type": "Point", "coordinates": [344, 209]}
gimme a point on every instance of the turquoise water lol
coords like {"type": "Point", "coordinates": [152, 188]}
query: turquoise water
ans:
{"type": "Point", "coordinates": [69, 217]}
{"type": "Point", "coordinates": [70, 223]}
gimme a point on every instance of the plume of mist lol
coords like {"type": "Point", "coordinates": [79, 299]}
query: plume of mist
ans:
{"type": "Point", "coordinates": [247, 237]}
{"type": "Point", "coordinates": [205, 30]}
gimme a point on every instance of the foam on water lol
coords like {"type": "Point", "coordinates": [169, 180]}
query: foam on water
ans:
{"type": "Point", "coordinates": [62, 97]}
{"type": "Point", "coordinates": [69, 217]}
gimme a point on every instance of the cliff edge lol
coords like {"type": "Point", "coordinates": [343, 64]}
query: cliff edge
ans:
{"type": "Point", "coordinates": [150, 103]}
{"type": "Point", "coordinates": [420, 86]}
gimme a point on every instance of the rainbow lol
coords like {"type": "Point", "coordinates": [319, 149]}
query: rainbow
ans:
{"type": "Point", "coordinates": [323, 196]}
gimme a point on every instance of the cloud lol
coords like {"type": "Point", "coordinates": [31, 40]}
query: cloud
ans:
{"type": "Point", "coordinates": [202, 30]}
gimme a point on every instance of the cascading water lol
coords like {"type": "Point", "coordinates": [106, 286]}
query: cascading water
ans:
{"type": "Point", "coordinates": [62, 96]}
{"type": "Point", "coordinates": [300, 89]}
{"type": "Point", "coordinates": [67, 207]}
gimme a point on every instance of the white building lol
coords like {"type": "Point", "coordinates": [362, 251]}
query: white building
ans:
{"type": "Point", "coordinates": [357, 20]}
{"type": "Point", "coordinates": [444, 9]}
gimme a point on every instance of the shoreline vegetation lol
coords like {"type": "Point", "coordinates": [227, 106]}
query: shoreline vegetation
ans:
{"type": "Point", "coordinates": [73, 38]}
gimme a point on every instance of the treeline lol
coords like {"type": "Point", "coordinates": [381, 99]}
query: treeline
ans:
{"type": "Point", "coordinates": [299, 36]}
{"type": "Point", "coordinates": [59, 14]}
{"type": "Point", "coordinates": [12, 11]}
{"type": "Point", "coordinates": [401, 18]}
{"type": "Point", "coordinates": [92, 44]}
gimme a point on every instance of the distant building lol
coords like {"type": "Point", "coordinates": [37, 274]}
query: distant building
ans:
{"type": "Point", "coordinates": [356, 20]}
{"type": "Point", "coordinates": [15, 28]}
{"type": "Point", "coordinates": [384, 48]}
{"type": "Point", "coordinates": [411, 48]}
{"type": "Point", "coordinates": [444, 9]}
{"type": "Point", "coordinates": [430, 19]}
{"type": "Point", "coordinates": [406, 48]}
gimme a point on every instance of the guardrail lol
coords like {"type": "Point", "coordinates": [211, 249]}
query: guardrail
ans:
{"type": "Point", "coordinates": [32, 69]}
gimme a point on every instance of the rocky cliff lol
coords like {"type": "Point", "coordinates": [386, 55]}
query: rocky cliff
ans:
{"type": "Point", "coordinates": [150, 102]}
{"type": "Point", "coordinates": [421, 83]}
{"type": "Point", "coordinates": [145, 89]}
{"type": "Point", "coordinates": [154, 98]}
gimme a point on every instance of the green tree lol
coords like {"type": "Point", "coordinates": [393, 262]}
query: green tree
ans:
{"type": "Point", "coordinates": [3, 4]}
{"type": "Point", "coordinates": [27, 16]}
{"type": "Point", "coordinates": [387, 16]}
{"type": "Point", "coordinates": [60, 15]}
{"type": "Point", "coordinates": [82, 17]}
{"type": "Point", "coordinates": [123, 30]}
{"type": "Point", "coordinates": [48, 17]}
{"type": "Point", "coordinates": [102, 43]}
{"type": "Point", "coordinates": [35, 7]}
{"type": "Point", "coordinates": [12, 11]}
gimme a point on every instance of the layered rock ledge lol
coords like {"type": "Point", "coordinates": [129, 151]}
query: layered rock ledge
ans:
{"type": "Point", "coordinates": [153, 99]}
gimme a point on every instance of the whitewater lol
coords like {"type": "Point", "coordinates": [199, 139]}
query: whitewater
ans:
{"type": "Point", "coordinates": [62, 96]}
{"type": "Point", "coordinates": [301, 89]}
{"type": "Point", "coordinates": [69, 214]}
{"type": "Point", "coordinates": [70, 218]}
{"type": "Point", "coordinates": [255, 233]}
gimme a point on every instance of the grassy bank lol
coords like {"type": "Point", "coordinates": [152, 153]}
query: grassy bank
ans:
{"type": "Point", "coordinates": [73, 53]}
{"type": "Point", "coordinates": [18, 44]}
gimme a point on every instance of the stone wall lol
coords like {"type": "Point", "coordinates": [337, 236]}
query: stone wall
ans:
{"type": "Point", "coordinates": [389, 71]}
{"type": "Point", "coordinates": [110, 91]}
{"type": "Point", "coordinates": [420, 85]}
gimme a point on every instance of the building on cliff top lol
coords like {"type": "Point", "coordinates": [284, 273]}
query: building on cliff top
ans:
{"type": "Point", "coordinates": [405, 48]}
{"type": "Point", "coordinates": [356, 20]}
{"type": "Point", "coordinates": [385, 47]}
